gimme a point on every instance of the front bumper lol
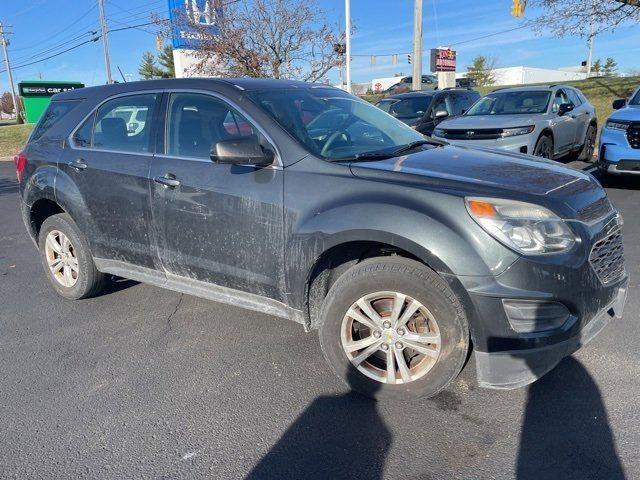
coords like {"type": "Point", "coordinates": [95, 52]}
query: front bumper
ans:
{"type": "Point", "coordinates": [517, 368]}
{"type": "Point", "coordinates": [615, 152]}
{"type": "Point", "coordinates": [515, 144]}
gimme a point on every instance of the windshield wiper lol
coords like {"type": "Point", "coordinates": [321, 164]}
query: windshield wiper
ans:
{"type": "Point", "coordinates": [365, 157]}
{"type": "Point", "coordinates": [410, 146]}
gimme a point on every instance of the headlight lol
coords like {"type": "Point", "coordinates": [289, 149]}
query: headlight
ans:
{"type": "Point", "coordinates": [438, 132]}
{"type": "Point", "coordinates": [527, 228]}
{"type": "Point", "coordinates": [616, 125]}
{"type": "Point", "coordinates": [512, 132]}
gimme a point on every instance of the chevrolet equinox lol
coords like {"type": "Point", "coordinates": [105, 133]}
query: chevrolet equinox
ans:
{"type": "Point", "coordinates": [408, 255]}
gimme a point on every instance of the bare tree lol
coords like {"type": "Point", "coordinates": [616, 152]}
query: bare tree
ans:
{"type": "Point", "coordinates": [266, 38]}
{"type": "Point", "coordinates": [6, 103]}
{"type": "Point", "coordinates": [575, 17]}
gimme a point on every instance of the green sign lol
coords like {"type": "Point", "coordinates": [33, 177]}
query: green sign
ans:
{"type": "Point", "coordinates": [36, 95]}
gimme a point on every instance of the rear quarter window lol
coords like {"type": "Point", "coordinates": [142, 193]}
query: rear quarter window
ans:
{"type": "Point", "coordinates": [55, 112]}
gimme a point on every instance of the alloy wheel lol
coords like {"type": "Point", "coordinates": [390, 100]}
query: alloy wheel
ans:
{"type": "Point", "coordinates": [390, 337]}
{"type": "Point", "coordinates": [61, 258]}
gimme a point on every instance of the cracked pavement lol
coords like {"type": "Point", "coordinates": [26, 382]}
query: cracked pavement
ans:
{"type": "Point", "coordinates": [148, 383]}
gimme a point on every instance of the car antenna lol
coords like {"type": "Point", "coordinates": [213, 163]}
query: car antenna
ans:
{"type": "Point", "coordinates": [121, 74]}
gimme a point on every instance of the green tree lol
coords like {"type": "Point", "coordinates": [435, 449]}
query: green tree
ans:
{"type": "Point", "coordinates": [148, 68]}
{"type": "Point", "coordinates": [165, 58]}
{"type": "Point", "coordinates": [596, 67]}
{"type": "Point", "coordinates": [481, 71]}
{"type": "Point", "coordinates": [610, 66]}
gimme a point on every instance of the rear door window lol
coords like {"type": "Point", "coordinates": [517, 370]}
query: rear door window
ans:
{"type": "Point", "coordinates": [123, 124]}
{"type": "Point", "coordinates": [54, 113]}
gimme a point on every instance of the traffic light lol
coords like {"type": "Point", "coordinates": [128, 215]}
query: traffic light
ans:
{"type": "Point", "coordinates": [409, 58]}
{"type": "Point", "coordinates": [517, 10]}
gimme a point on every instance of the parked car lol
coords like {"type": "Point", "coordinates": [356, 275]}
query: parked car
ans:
{"type": "Point", "coordinates": [429, 82]}
{"type": "Point", "coordinates": [620, 138]}
{"type": "Point", "coordinates": [548, 122]}
{"type": "Point", "coordinates": [404, 252]}
{"type": "Point", "coordinates": [424, 110]}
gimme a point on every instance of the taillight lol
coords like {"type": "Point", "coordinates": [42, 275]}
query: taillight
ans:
{"type": "Point", "coordinates": [21, 163]}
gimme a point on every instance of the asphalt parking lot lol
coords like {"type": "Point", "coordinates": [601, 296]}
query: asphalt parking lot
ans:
{"type": "Point", "coordinates": [147, 383]}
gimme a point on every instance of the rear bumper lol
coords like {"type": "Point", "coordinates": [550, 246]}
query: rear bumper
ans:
{"type": "Point", "coordinates": [517, 368]}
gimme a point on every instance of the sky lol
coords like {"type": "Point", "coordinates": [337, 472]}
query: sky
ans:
{"type": "Point", "coordinates": [43, 27]}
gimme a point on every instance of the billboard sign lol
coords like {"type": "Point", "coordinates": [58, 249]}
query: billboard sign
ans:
{"type": "Point", "coordinates": [44, 89]}
{"type": "Point", "coordinates": [443, 60]}
{"type": "Point", "coordinates": [186, 15]}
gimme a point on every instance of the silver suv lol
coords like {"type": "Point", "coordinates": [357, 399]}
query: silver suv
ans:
{"type": "Point", "coordinates": [546, 121]}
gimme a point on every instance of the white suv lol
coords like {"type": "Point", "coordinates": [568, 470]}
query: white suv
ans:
{"type": "Point", "coordinates": [550, 122]}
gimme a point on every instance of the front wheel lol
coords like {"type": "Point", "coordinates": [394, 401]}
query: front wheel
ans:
{"type": "Point", "coordinates": [544, 147]}
{"type": "Point", "coordinates": [392, 328]}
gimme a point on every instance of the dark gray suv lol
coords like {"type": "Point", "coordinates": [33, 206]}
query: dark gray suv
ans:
{"type": "Point", "coordinates": [304, 202]}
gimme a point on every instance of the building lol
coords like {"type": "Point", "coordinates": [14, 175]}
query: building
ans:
{"type": "Point", "coordinates": [527, 75]}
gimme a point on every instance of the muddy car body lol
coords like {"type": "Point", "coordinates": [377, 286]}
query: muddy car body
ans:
{"type": "Point", "coordinates": [304, 202]}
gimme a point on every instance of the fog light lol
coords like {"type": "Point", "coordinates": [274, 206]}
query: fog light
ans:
{"type": "Point", "coordinates": [530, 316]}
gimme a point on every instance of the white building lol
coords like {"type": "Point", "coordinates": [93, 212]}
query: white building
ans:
{"type": "Point", "coordinates": [528, 75]}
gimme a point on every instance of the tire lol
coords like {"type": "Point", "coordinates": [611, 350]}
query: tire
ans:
{"type": "Point", "coordinates": [84, 280]}
{"type": "Point", "coordinates": [395, 275]}
{"type": "Point", "coordinates": [544, 147]}
{"type": "Point", "coordinates": [586, 154]}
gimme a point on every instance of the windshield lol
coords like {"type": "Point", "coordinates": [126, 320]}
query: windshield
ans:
{"type": "Point", "coordinates": [332, 124]}
{"type": "Point", "coordinates": [511, 103]}
{"type": "Point", "coordinates": [636, 98]}
{"type": "Point", "coordinates": [407, 107]}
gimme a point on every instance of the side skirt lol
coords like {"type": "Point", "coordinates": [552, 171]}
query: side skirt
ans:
{"type": "Point", "coordinates": [201, 289]}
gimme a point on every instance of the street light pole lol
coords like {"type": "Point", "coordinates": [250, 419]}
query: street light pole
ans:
{"type": "Point", "coordinates": [417, 45]}
{"type": "Point", "coordinates": [347, 19]}
{"type": "Point", "coordinates": [591, 36]}
{"type": "Point", "coordinates": [4, 41]}
{"type": "Point", "coordinates": [105, 40]}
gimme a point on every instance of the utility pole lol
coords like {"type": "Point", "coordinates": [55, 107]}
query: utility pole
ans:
{"type": "Point", "coordinates": [5, 43]}
{"type": "Point", "coordinates": [417, 45]}
{"type": "Point", "coordinates": [105, 40]}
{"type": "Point", "coordinates": [592, 34]}
{"type": "Point", "coordinates": [347, 20]}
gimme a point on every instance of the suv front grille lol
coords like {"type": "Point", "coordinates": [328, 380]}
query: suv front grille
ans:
{"type": "Point", "coordinates": [633, 135]}
{"type": "Point", "coordinates": [473, 134]}
{"type": "Point", "coordinates": [607, 257]}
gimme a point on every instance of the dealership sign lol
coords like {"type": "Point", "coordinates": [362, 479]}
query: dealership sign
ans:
{"type": "Point", "coordinates": [443, 60]}
{"type": "Point", "coordinates": [41, 89]}
{"type": "Point", "coordinates": [188, 16]}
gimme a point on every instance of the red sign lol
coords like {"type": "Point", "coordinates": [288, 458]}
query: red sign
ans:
{"type": "Point", "coordinates": [443, 60]}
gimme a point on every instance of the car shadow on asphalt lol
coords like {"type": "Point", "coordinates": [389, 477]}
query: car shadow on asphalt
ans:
{"type": "Point", "coordinates": [336, 437]}
{"type": "Point", "coordinates": [565, 431]}
{"type": "Point", "coordinates": [116, 284]}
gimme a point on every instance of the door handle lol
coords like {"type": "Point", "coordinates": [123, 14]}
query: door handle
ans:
{"type": "Point", "coordinates": [78, 164]}
{"type": "Point", "coordinates": [167, 180]}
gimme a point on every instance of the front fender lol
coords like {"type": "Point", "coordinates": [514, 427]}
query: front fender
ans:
{"type": "Point", "coordinates": [447, 245]}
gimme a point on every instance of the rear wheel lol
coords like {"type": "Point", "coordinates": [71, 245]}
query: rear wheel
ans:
{"type": "Point", "coordinates": [392, 328]}
{"type": "Point", "coordinates": [544, 147]}
{"type": "Point", "coordinates": [67, 260]}
{"type": "Point", "coordinates": [586, 154]}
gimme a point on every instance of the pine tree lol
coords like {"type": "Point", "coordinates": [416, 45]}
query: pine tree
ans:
{"type": "Point", "coordinates": [610, 66]}
{"type": "Point", "coordinates": [148, 68]}
{"type": "Point", "coordinates": [481, 71]}
{"type": "Point", "coordinates": [165, 59]}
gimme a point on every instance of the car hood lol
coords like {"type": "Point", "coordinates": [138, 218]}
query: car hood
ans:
{"type": "Point", "coordinates": [467, 170]}
{"type": "Point", "coordinates": [489, 121]}
{"type": "Point", "coordinates": [630, 112]}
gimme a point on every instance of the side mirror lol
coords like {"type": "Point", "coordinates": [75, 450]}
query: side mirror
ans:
{"type": "Point", "coordinates": [565, 108]}
{"type": "Point", "coordinates": [440, 114]}
{"type": "Point", "coordinates": [242, 151]}
{"type": "Point", "coordinates": [619, 103]}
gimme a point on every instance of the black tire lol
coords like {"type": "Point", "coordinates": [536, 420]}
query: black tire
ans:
{"type": "Point", "coordinates": [411, 278]}
{"type": "Point", "coordinates": [89, 280]}
{"type": "Point", "coordinates": [586, 154]}
{"type": "Point", "coordinates": [544, 147]}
